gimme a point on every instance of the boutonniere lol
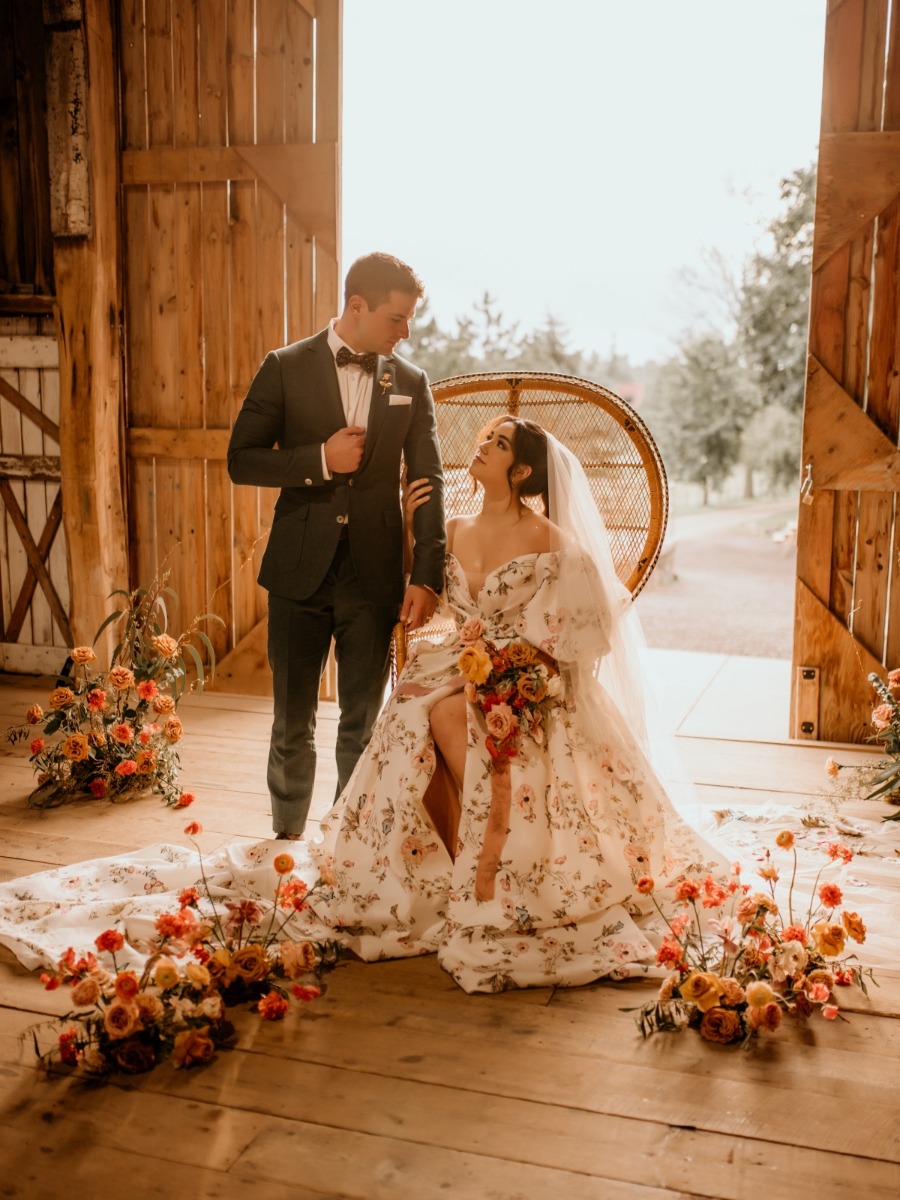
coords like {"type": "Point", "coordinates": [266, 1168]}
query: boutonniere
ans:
{"type": "Point", "coordinates": [385, 382]}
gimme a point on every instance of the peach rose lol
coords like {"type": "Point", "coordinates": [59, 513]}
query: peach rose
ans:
{"type": "Point", "coordinates": [75, 747]}
{"type": "Point", "coordinates": [192, 1046]}
{"type": "Point", "coordinates": [166, 645]}
{"type": "Point", "coordinates": [721, 1025]}
{"type": "Point", "coordinates": [61, 697]}
{"type": "Point", "coordinates": [501, 722]}
{"type": "Point", "coordinates": [703, 989]}
{"type": "Point", "coordinates": [882, 716]}
{"type": "Point", "coordinates": [297, 958]}
{"type": "Point", "coordinates": [475, 664]}
{"type": "Point", "coordinates": [163, 705]}
{"type": "Point", "coordinates": [81, 655]}
{"type": "Point", "coordinates": [145, 762]}
{"type": "Point", "coordinates": [121, 678]}
{"type": "Point", "coordinates": [173, 730]}
{"type": "Point", "coordinates": [35, 715]}
{"type": "Point", "coordinates": [120, 1019]}
{"type": "Point", "coordinates": [85, 991]}
{"type": "Point", "coordinates": [251, 963]}
{"type": "Point", "coordinates": [149, 1007]}
{"type": "Point", "coordinates": [758, 994]}
{"type": "Point", "coordinates": [832, 768]}
{"type": "Point", "coordinates": [197, 975]}
{"type": "Point", "coordinates": [471, 630]}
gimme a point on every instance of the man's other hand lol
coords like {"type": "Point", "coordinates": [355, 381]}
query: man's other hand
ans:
{"type": "Point", "coordinates": [344, 449]}
{"type": "Point", "coordinates": [418, 606]}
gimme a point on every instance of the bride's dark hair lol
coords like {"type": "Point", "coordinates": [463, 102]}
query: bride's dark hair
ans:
{"type": "Point", "coordinates": [529, 447]}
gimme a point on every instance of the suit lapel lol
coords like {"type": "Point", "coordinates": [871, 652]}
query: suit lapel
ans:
{"type": "Point", "coordinates": [326, 378]}
{"type": "Point", "coordinates": [382, 386]}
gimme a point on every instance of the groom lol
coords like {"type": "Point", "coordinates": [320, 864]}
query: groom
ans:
{"type": "Point", "coordinates": [326, 420]}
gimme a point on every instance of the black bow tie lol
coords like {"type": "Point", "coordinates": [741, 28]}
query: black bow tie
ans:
{"type": "Point", "coordinates": [345, 357]}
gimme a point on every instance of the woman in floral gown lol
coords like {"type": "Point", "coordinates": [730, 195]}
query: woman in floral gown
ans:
{"type": "Point", "coordinates": [504, 813]}
{"type": "Point", "coordinates": [507, 833]}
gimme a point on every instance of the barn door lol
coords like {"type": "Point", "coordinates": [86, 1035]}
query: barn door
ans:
{"type": "Point", "coordinates": [848, 571]}
{"type": "Point", "coordinates": [230, 173]}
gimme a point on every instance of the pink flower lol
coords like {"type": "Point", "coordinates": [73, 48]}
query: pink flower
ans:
{"type": "Point", "coordinates": [126, 767]}
{"type": "Point", "coordinates": [835, 850]}
{"type": "Point", "coordinates": [831, 768]}
{"type": "Point", "coordinates": [147, 689]}
{"type": "Point", "coordinates": [818, 992]}
{"type": "Point", "coordinates": [123, 733]}
{"type": "Point", "coordinates": [687, 889]}
{"type": "Point", "coordinates": [471, 631]}
{"type": "Point", "coordinates": [96, 700]}
{"type": "Point", "coordinates": [882, 716]}
{"type": "Point", "coordinates": [830, 1012]}
{"type": "Point", "coordinates": [713, 894]}
{"type": "Point", "coordinates": [501, 722]}
{"type": "Point", "coordinates": [645, 885]}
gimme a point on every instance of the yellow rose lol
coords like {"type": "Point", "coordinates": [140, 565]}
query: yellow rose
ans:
{"type": "Point", "coordinates": [829, 938]}
{"type": "Point", "coordinates": [82, 654]}
{"type": "Point", "coordinates": [121, 678]}
{"type": "Point", "coordinates": [197, 975]}
{"type": "Point", "coordinates": [475, 665]}
{"type": "Point", "coordinates": [75, 747]}
{"type": "Point", "coordinates": [251, 963]}
{"type": "Point", "coordinates": [702, 989]}
{"type": "Point", "coordinates": [721, 1025]}
{"type": "Point", "coordinates": [853, 926]}
{"type": "Point", "coordinates": [220, 965]}
{"type": "Point", "coordinates": [532, 688]}
{"type": "Point", "coordinates": [61, 697]}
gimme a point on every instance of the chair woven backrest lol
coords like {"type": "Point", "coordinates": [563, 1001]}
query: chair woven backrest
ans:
{"type": "Point", "coordinates": [620, 458]}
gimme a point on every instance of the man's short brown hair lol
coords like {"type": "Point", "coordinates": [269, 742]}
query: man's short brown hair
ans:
{"type": "Point", "coordinates": [375, 276]}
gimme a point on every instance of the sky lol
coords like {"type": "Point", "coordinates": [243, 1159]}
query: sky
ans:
{"type": "Point", "coordinates": [573, 158]}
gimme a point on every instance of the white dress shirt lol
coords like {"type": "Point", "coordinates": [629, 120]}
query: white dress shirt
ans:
{"type": "Point", "coordinates": [355, 387]}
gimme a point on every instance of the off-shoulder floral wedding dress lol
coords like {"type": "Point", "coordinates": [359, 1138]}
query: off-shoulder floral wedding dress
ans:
{"type": "Point", "coordinates": [542, 888]}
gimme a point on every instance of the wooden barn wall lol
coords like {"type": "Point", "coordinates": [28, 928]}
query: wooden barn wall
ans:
{"type": "Point", "coordinates": [848, 570]}
{"type": "Point", "coordinates": [230, 160]}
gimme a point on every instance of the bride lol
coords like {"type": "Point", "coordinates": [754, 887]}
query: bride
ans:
{"type": "Point", "coordinates": [505, 810]}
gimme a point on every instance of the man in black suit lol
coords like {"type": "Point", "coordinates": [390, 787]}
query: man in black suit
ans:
{"type": "Point", "coordinates": [326, 420]}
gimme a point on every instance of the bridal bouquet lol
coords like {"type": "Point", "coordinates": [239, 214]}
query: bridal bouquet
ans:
{"type": "Point", "coordinates": [749, 966]}
{"type": "Point", "coordinates": [885, 778]}
{"type": "Point", "coordinates": [515, 686]}
{"type": "Point", "coordinates": [108, 731]}
{"type": "Point", "coordinates": [202, 961]}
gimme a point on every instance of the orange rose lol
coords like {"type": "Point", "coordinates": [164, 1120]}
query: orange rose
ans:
{"type": "Point", "coordinates": [192, 1046]}
{"type": "Point", "coordinates": [35, 715]}
{"type": "Point", "coordinates": [61, 697]}
{"type": "Point", "coordinates": [297, 958]}
{"type": "Point", "coordinates": [532, 688]}
{"type": "Point", "coordinates": [82, 654]}
{"type": "Point", "coordinates": [127, 985]}
{"type": "Point", "coordinates": [120, 1019]}
{"type": "Point", "coordinates": [85, 992]}
{"type": "Point", "coordinates": [149, 1007]}
{"type": "Point", "coordinates": [163, 705]}
{"type": "Point", "coordinates": [146, 762]}
{"type": "Point", "coordinates": [520, 654]}
{"type": "Point", "coordinates": [721, 1025]}
{"type": "Point", "coordinates": [75, 747]}
{"type": "Point", "coordinates": [853, 926]}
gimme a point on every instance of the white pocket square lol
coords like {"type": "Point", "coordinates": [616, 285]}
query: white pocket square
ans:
{"type": "Point", "coordinates": [400, 399]}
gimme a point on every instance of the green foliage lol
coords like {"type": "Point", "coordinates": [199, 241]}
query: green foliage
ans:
{"type": "Point", "coordinates": [771, 443]}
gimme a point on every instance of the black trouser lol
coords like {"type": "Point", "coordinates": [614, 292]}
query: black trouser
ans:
{"type": "Point", "coordinates": [300, 633]}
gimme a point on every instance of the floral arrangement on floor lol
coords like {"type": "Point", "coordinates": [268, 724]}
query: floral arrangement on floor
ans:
{"type": "Point", "coordinates": [107, 732]}
{"type": "Point", "coordinates": [748, 967]}
{"type": "Point", "coordinates": [202, 962]}
{"type": "Point", "coordinates": [883, 780]}
{"type": "Point", "coordinates": [515, 686]}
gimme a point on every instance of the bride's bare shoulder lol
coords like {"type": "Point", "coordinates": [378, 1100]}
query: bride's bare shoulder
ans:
{"type": "Point", "coordinates": [543, 534]}
{"type": "Point", "coordinates": [454, 525]}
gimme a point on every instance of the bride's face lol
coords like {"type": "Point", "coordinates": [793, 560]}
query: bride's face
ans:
{"type": "Point", "coordinates": [494, 456]}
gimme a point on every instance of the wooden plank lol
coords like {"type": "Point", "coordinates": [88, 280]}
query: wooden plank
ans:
{"type": "Point", "coordinates": [69, 133]}
{"type": "Point", "coordinates": [23, 602]}
{"type": "Point", "coordinates": [29, 410]}
{"type": "Point", "coordinates": [25, 350]}
{"type": "Point", "coordinates": [845, 446]}
{"type": "Point", "coordinates": [36, 509]}
{"type": "Point", "coordinates": [15, 561]}
{"type": "Point", "coordinates": [57, 560]}
{"type": "Point", "coordinates": [858, 177]}
{"type": "Point", "coordinates": [216, 300]}
{"type": "Point", "coordinates": [14, 269]}
{"type": "Point", "coordinates": [15, 514]}
{"type": "Point", "coordinates": [29, 466]}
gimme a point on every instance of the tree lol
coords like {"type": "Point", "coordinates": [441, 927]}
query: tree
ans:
{"type": "Point", "coordinates": [705, 400]}
{"type": "Point", "coordinates": [771, 444]}
{"type": "Point", "coordinates": [773, 313]}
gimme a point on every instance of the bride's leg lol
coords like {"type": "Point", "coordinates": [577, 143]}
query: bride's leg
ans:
{"type": "Point", "coordinates": [442, 797]}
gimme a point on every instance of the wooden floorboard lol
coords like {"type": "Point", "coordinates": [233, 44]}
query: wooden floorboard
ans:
{"type": "Point", "coordinates": [396, 1084]}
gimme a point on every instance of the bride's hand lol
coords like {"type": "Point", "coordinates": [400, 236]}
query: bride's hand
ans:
{"type": "Point", "coordinates": [415, 494]}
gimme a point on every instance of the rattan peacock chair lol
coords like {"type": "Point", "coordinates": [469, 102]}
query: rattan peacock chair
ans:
{"type": "Point", "coordinates": [617, 451]}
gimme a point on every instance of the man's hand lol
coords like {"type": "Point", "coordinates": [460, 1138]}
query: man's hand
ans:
{"type": "Point", "coordinates": [418, 606]}
{"type": "Point", "coordinates": [344, 449]}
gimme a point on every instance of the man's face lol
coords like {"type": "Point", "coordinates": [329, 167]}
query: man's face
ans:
{"type": "Point", "coordinates": [378, 330]}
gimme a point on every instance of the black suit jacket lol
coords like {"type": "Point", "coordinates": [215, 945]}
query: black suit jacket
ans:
{"type": "Point", "coordinates": [292, 407]}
